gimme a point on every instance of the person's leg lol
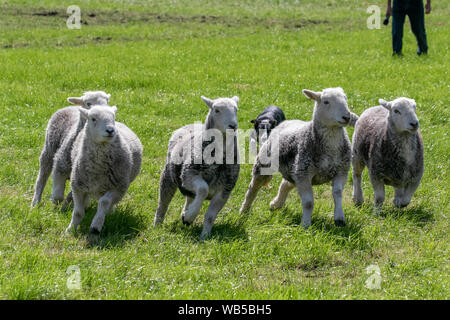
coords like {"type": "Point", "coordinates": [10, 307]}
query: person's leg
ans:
{"type": "Point", "coordinates": [416, 16]}
{"type": "Point", "coordinates": [398, 19]}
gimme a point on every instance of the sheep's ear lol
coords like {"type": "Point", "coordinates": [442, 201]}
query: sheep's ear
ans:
{"type": "Point", "coordinates": [313, 95]}
{"type": "Point", "coordinates": [75, 100]}
{"type": "Point", "coordinates": [235, 99]}
{"type": "Point", "coordinates": [84, 113]}
{"type": "Point", "coordinates": [208, 102]}
{"type": "Point", "coordinates": [385, 104]}
{"type": "Point", "coordinates": [253, 121]}
{"type": "Point", "coordinates": [108, 96]}
{"type": "Point", "coordinates": [114, 109]}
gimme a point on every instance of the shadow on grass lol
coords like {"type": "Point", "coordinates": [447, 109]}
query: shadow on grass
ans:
{"type": "Point", "coordinates": [288, 216]}
{"type": "Point", "coordinates": [222, 232]}
{"type": "Point", "coordinates": [419, 215]}
{"type": "Point", "coordinates": [324, 223]}
{"type": "Point", "coordinates": [351, 235]}
{"type": "Point", "coordinates": [120, 226]}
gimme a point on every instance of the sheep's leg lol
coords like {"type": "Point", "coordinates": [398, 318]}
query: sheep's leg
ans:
{"type": "Point", "coordinates": [87, 202]}
{"type": "Point", "coordinates": [59, 185]}
{"type": "Point", "coordinates": [167, 190]}
{"type": "Point", "coordinates": [45, 169]}
{"type": "Point", "coordinates": [398, 197]}
{"type": "Point", "coordinates": [216, 204]}
{"type": "Point", "coordinates": [186, 205]}
{"type": "Point", "coordinates": [257, 182]}
{"type": "Point", "coordinates": [283, 192]}
{"type": "Point", "coordinates": [305, 191]}
{"type": "Point", "coordinates": [78, 210]}
{"type": "Point", "coordinates": [378, 189]}
{"type": "Point", "coordinates": [67, 201]}
{"type": "Point", "coordinates": [105, 204]}
{"type": "Point", "coordinates": [338, 186]}
{"type": "Point", "coordinates": [358, 168]}
{"type": "Point", "coordinates": [408, 194]}
{"type": "Point", "coordinates": [200, 188]}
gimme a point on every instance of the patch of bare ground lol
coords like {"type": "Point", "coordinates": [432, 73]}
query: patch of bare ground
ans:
{"type": "Point", "coordinates": [111, 17]}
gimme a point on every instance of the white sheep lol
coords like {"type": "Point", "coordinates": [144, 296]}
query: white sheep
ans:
{"type": "Point", "coordinates": [387, 140]}
{"type": "Point", "coordinates": [62, 129]}
{"type": "Point", "coordinates": [106, 158]}
{"type": "Point", "coordinates": [308, 153]}
{"type": "Point", "coordinates": [204, 179]}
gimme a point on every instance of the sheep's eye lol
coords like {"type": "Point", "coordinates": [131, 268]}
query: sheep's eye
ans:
{"type": "Point", "coordinates": [326, 102]}
{"type": "Point", "coordinates": [93, 119]}
{"type": "Point", "coordinates": [396, 111]}
{"type": "Point", "coordinates": [217, 111]}
{"type": "Point", "coordinates": [89, 104]}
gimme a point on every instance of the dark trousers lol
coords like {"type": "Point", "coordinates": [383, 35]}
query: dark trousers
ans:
{"type": "Point", "coordinates": [415, 11]}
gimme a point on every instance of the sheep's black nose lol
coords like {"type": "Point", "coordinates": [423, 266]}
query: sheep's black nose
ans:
{"type": "Point", "coordinates": [415, 124]}
{"type": "Point", "coordinates": [110, 131]}
{"type": "Point", "coordinates": [232, 126]}
{"type": "Point", "coordinates": [346, 118]}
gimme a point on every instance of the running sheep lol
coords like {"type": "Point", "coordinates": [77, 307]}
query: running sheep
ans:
{"type": "Point", "coordinates": [387, 140]}
{"type": "Point", "coordinates": [106, 158]}
{"type": "Point", "coordinates": [200, 169]}
{"type": "Point", "coordinates": [62, 129]}
{"type": "Point", "coordinates": [308, 153]}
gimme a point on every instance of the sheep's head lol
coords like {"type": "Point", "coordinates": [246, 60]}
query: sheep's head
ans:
{"type": "Point", "coordinates": [100, 123]}
{"type": "Point", "coordinates": [91, 98]}
{"type": "Point", "coordinates": [222, 113]}
{"type": "Point", "coordinates": [331, 108]}
{"type": "Point", "coordinates": [402, 114]}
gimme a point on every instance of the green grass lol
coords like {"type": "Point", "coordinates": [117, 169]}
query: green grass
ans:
{"type": "Point", "coordinates": [265, 52]}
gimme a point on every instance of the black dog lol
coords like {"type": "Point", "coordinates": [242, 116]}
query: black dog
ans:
{"type": "Point", "coordinates": [267, 120]}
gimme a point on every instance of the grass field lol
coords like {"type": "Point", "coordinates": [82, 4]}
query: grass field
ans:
{"type": "Point", "coordinates": [156, 58]}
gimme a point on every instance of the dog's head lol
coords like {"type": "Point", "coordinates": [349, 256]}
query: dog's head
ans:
{"type": "Point", "coordinates": [263, 127]}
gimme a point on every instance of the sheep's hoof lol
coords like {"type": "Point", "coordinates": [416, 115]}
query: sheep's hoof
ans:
{"type": "Point", "coordinates": [204, 236]}
{"type": "Point", "coordinates": [274, 205]}
{"type": "Point", "coordinates": [358, 203]}
{"type": "Point", "coordinates": [184, 221]}
{"type": "Point", "coordinates": [399, 203]}
{"type": "Point", "coordinates": [94, 231]}
{"type": "Point", "coordinates": [377, 208]}
{"type": "Point", "coordinates": [64, 207]}
{"type": "Point", "coordinates": [306, 225]}
{"type": "Point", "coordinates": [56, 201]}
{"type": "Point", "coordinates": [339, 223]}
